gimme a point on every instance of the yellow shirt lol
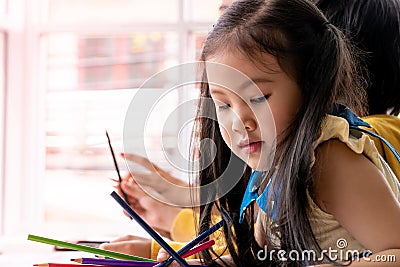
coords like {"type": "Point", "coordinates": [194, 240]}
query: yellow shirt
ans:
{"type": "Point", "coordinates": [184, 230]}
{"type": "Point", "coordinates": [327, 230]}
{"type": "Point", "coordinates": [388, 127]}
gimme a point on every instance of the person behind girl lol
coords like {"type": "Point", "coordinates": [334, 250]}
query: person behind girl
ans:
{"type": "Point", "coordinates": [374, 27]}
{"type": "Point", "coordinates": [327, 183]}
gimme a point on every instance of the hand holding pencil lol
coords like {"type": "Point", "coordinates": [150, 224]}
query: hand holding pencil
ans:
{"type": "Point", "coordinates": [145, 176]}
{"type": "Point", "coordinates": [157, 214]}
{"type": "Point", "coordinates": [148, 204]}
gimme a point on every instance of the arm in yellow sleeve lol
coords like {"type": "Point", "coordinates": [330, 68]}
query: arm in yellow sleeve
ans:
{"type": "Point", "coordinates": [183, 228]}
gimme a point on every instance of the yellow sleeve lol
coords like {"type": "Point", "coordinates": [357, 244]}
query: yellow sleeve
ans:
{"type": "Point", "coordinates": [183, 228]}
{"type": "Point", "coordinates": [388, 127]}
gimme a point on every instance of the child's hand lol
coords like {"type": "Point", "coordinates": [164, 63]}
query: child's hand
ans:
{"type": "Point", "coordinates": [159, 182]}
{"type": "Point", "coordinates": [158, 215]}
{"type": "Point", "coordinates": [162, 255]}
{"type": "Point", "coordinates": [133, 245]}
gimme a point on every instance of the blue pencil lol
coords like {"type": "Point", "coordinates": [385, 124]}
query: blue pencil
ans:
{"type": "Point", "coordinates": [194, 242]}
{"type": "Point", "coordinates": [148, 229]}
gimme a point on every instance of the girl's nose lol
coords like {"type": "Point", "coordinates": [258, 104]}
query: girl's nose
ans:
{"type": "Point", "coordinates": [244, 120]}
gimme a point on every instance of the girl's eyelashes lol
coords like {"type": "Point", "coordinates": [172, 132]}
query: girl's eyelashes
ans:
{"type": "Point", "coordinates": [260, 99]}
{"type": "Point", "coordinates": [223, 107]}
{"type": "Point", "coordinates": [220, 105]}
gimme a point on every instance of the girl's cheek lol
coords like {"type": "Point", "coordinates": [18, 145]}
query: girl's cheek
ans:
{"type": "Point", "coordinates": [226, 136]}
{"type": "Point", "coordinates": [224, 123]}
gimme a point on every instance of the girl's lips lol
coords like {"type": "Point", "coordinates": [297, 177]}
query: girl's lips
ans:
{"type": "Point", "coordinates": [251, 147]}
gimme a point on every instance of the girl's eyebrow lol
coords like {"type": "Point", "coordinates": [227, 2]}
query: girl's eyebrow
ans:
{"type": "Point", "coordinates": [218, 89]}
{"type": "Point", "coordinates": [254, 82]}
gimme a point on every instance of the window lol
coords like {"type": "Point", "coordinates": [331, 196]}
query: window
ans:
{"type": "Point", "coordinates": [76, 68]}
{"type": "Point", "coordinates": [3, 7]}
{"type": "Point", "coordinates": [76, 12]}
{"type": "Point", "coordinates": [107, 62]}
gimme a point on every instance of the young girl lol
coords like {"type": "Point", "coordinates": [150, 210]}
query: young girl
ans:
{"type": "Point", "coordinates": [327, 191]}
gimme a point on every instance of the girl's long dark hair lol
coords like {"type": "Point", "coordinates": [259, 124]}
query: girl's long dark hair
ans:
{"type": "Point", "coordinates": [313, 53]}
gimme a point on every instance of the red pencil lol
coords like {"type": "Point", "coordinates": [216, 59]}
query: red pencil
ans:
{"type": "Point", "coordinates": [199, 248]}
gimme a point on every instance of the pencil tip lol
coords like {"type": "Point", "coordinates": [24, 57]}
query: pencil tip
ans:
{"type": "Point", "coordinates": [108, 137]}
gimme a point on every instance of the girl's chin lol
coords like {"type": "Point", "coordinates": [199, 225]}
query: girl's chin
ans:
{"type": "Point", "coordinates": [254, 164]}
{"type": "Point", "coordinates": [257, 165]}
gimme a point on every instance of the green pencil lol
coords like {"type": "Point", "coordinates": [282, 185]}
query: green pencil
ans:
{"type": "Point", "coordinates": [102, 252]}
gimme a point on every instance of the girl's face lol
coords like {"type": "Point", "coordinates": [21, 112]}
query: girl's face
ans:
{"type": "Point", "coordinates": [252, 110]}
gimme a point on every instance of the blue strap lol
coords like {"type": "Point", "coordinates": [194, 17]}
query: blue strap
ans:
{"type": "Point", "coordinates": [251, 194]}
{"type": "Point", "coordinates": [355, 122]}
{"type": "Point", "coordinates": [344, 112]}
{"type": "Point", "coordinates": [262, 201]}
{"type": "Point", "coordinates": [394, 151]}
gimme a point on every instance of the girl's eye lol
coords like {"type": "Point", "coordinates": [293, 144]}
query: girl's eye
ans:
{"type": "Point", "coordinates": [260, 99]}
{"type": "Point", "coordinates": [223, 107]}
{"type": "Point", "coordinates": [220, 105]}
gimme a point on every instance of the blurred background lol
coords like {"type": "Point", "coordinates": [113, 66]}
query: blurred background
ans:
{"type": "Point", "coordinates": [68, 71]}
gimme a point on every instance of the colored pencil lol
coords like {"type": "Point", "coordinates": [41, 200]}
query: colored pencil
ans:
{"type": "Point", "coordinates": [116, 166]}
{"type": "Point", "coordinates": [149, 230]}
{"type": "Point", "coordinates": [102, 252]}
{"type": "Point", "coordinates": [113, 262]}
{"type": "Point", "coordinates": [78, 265]}
{"type": "Point", "coordinates": [194, 242]}
{"type": "Point", "coordinates": [66, 265]}
{"type": "Point", "coordinates": [199, 248]}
